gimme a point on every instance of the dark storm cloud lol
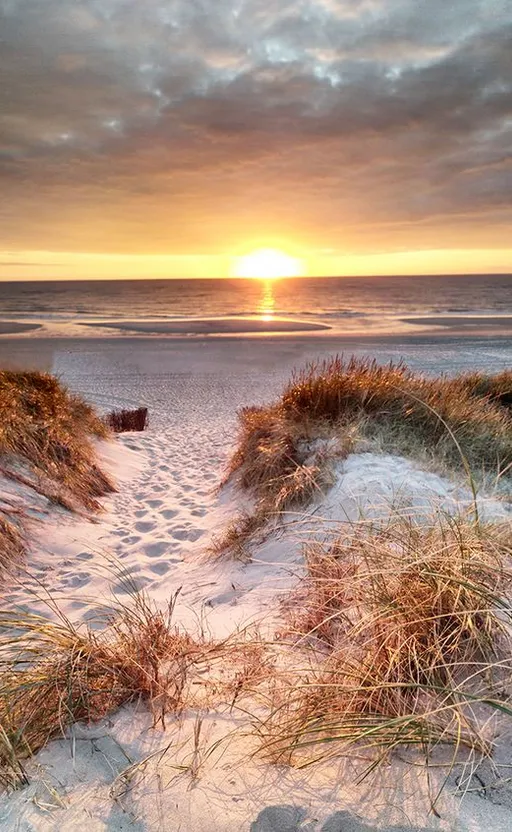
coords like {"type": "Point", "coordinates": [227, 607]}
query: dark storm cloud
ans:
{"type": "Point", "coordinates": [317, 114]}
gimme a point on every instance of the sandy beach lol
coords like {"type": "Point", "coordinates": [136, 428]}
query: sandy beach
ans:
{"type": "Point", "coordinates": [153, 536]}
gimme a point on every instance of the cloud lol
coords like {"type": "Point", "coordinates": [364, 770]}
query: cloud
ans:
{"type": "Point", "coordinates": [183, 126]}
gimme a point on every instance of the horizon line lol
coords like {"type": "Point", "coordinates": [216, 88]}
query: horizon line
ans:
{"type": "Point", "coordinates": [507, 273]}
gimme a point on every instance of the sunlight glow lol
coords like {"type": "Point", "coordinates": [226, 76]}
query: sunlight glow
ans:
{"type": "Point", "coordinates": [267, 305]}
{"type": "Point", "coordinates": [267, 263]}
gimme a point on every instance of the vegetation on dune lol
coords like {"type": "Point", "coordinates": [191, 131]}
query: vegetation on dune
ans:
{"type": "Point", "coordinates": [410, 411]}
{"type": "Point", "coordinates": [496, 388]}
{"type": "Point", "coordinates": [399, 635]}
{"type": "Point", "coordinates": [461, 423]}
{"type": "Point", "coordinates": [54, 674]}
{"type": "Point", "coordinates": [45, 444]}
{"type": "Point", "coordinates": [11, 541]}
{"type": "Point", "coordinates": [414, 630]}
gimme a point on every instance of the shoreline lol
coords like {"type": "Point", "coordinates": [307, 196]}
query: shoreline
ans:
{"type": "Point", "coordinates": [356, 327]}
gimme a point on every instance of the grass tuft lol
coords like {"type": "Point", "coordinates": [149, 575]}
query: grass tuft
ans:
{"type": "Point", "coordinates": [54, 674]}
{"type": "Point", "coordinates": [411, 632]}
{"type": "Point", "coordinates": [412, 411]}
{"type": "Point", "coordinates": [45, 444]}
{"type": "Point", "coordinates": [496, 388]}
{"type": "Point", "coordinates": [287, 450]}
{"type": "Point", "coordinates": [11, 542]}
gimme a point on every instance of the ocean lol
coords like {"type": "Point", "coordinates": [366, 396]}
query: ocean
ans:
{"type": "Point", "coordinates": [125, 366]}
{"type": "Point", "coordinates": [317, 297]}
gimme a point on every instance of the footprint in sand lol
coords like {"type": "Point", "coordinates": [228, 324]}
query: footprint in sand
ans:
{"type": "Point", "coordinates": [131, 540]}
{"type": "Point", "coordinates": [78, 605]}
{"type": "Point", "coordinates": [131, 586]}
{"type": "Point", "coordinates": [144, 527]}
{"type": "Point", "coordinates": [85, 555]}
{"type": "Point", "coordinates": [155, 503]}
{"type": "Point", "coordinates": [168, 514]}
{"type": "Point", "coordinates": [156, 550]}
{"type": "Point", "coordinates": [179, 533]}
{"type": "Point", "coordinates": [75, 581]}
{"type": "Point", "coordinates": [230, 597]}
{"type": "Point", "coordinates": [194, 535]}
{"type": "Point", "coordinates": [160, 568]}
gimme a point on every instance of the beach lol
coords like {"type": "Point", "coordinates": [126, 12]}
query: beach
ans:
{"type": "Point", "coordinates": [153, 536]}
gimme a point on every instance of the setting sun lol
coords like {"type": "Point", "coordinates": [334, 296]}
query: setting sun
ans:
{"type": "Point", "coordinates": [267, 263]}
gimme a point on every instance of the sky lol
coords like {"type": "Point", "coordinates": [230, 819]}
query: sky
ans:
{"type": "Point", "coordinates": [144, 138]}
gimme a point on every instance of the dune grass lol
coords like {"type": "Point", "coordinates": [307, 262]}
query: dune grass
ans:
{"type": "Point", "coordinates": [410, 629]}
{"type": "Point", "coordinates": [496, 388]}
{"type": "Point", "coordinates": [458, 424]}
{"type": "Point", "coordinates": [53, 673]}
{"type": "Point", "coordinates": [45, 444]}
{"type": "Point", "coordinates": [11, 542]}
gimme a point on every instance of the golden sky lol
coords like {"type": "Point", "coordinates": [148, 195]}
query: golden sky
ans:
{"type": "Point", "coordinates": [88, 266]}
{"type": "Point", "coordinates": [163, 139]}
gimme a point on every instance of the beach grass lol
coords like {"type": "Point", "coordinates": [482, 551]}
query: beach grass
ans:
{"type": "Point", "coordinates": [11, 542]}
{"type": "Point", "coordinates": [460, 424]}
{"type": "Point", "coordinates": [496, 388]}
{"type": "Point", "coordinates": [46, 436]}
{"type": "Point", "coordinates": [410, 628]}
{"type": "Point", "coordinates": [53, 674]}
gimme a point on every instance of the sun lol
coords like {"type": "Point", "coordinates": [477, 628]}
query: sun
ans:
{"type": "Point", "coordinates": [267, 263]}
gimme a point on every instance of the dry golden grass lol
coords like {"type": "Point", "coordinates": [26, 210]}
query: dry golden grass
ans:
{"type": "Point", "coordinates": [278, 464]}
{"type": "Point", "coordinates": [411, 630]}
{"type": "Point", "coordinates": [235, 539]}
{"type": "Point", "coordinates": [415, 412]}
{"type": "Point", "coordinates": [496, 388]}
{"type": "Point", "coordinates": [45, 444]}
{"type": "Point", "coordinates": [11, 542]}
{"type": "Point", "coordinates": [53, 673]}
{"type": "Point", "coordinates": [50, 430]}
{"type": "Point", "coordinates": [459, 424]}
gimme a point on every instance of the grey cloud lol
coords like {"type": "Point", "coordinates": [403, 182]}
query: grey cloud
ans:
{"type": "Point", "coordinates": [315, 110]}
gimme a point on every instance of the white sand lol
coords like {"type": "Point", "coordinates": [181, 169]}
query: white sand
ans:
{"type": "Point", "coordinates": [158, 547]}
{"type": "Point", "coordinates": [156, 530]}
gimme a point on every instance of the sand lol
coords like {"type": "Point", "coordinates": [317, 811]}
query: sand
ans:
{"type": "Point", "coordinates": [461, 322]}
{"type": "Point", "coordinates": [155, 532]}
{"type": "Point", "coordinates": [13, 327]}
{"type": "Point", "coordinates": [212, 326]}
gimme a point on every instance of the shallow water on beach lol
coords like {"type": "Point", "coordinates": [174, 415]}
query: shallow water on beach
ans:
{"type": "Point", "coordinates": [349, 305]}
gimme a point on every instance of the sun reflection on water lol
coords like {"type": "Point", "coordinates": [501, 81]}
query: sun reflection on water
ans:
{"type": "Point", "coordinates": [267, 305]}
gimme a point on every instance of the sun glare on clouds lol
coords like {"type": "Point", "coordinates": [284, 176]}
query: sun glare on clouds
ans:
{"type": "Point", "coordinates": [267, 263]}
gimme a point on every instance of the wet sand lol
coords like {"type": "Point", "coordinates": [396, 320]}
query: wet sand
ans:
{"type": "Point", "coordinates": [12, 327]}
{"type": "Point", "coordinates": [211, 326]}
{"type": "Point", "coordinates": [459, 322]}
